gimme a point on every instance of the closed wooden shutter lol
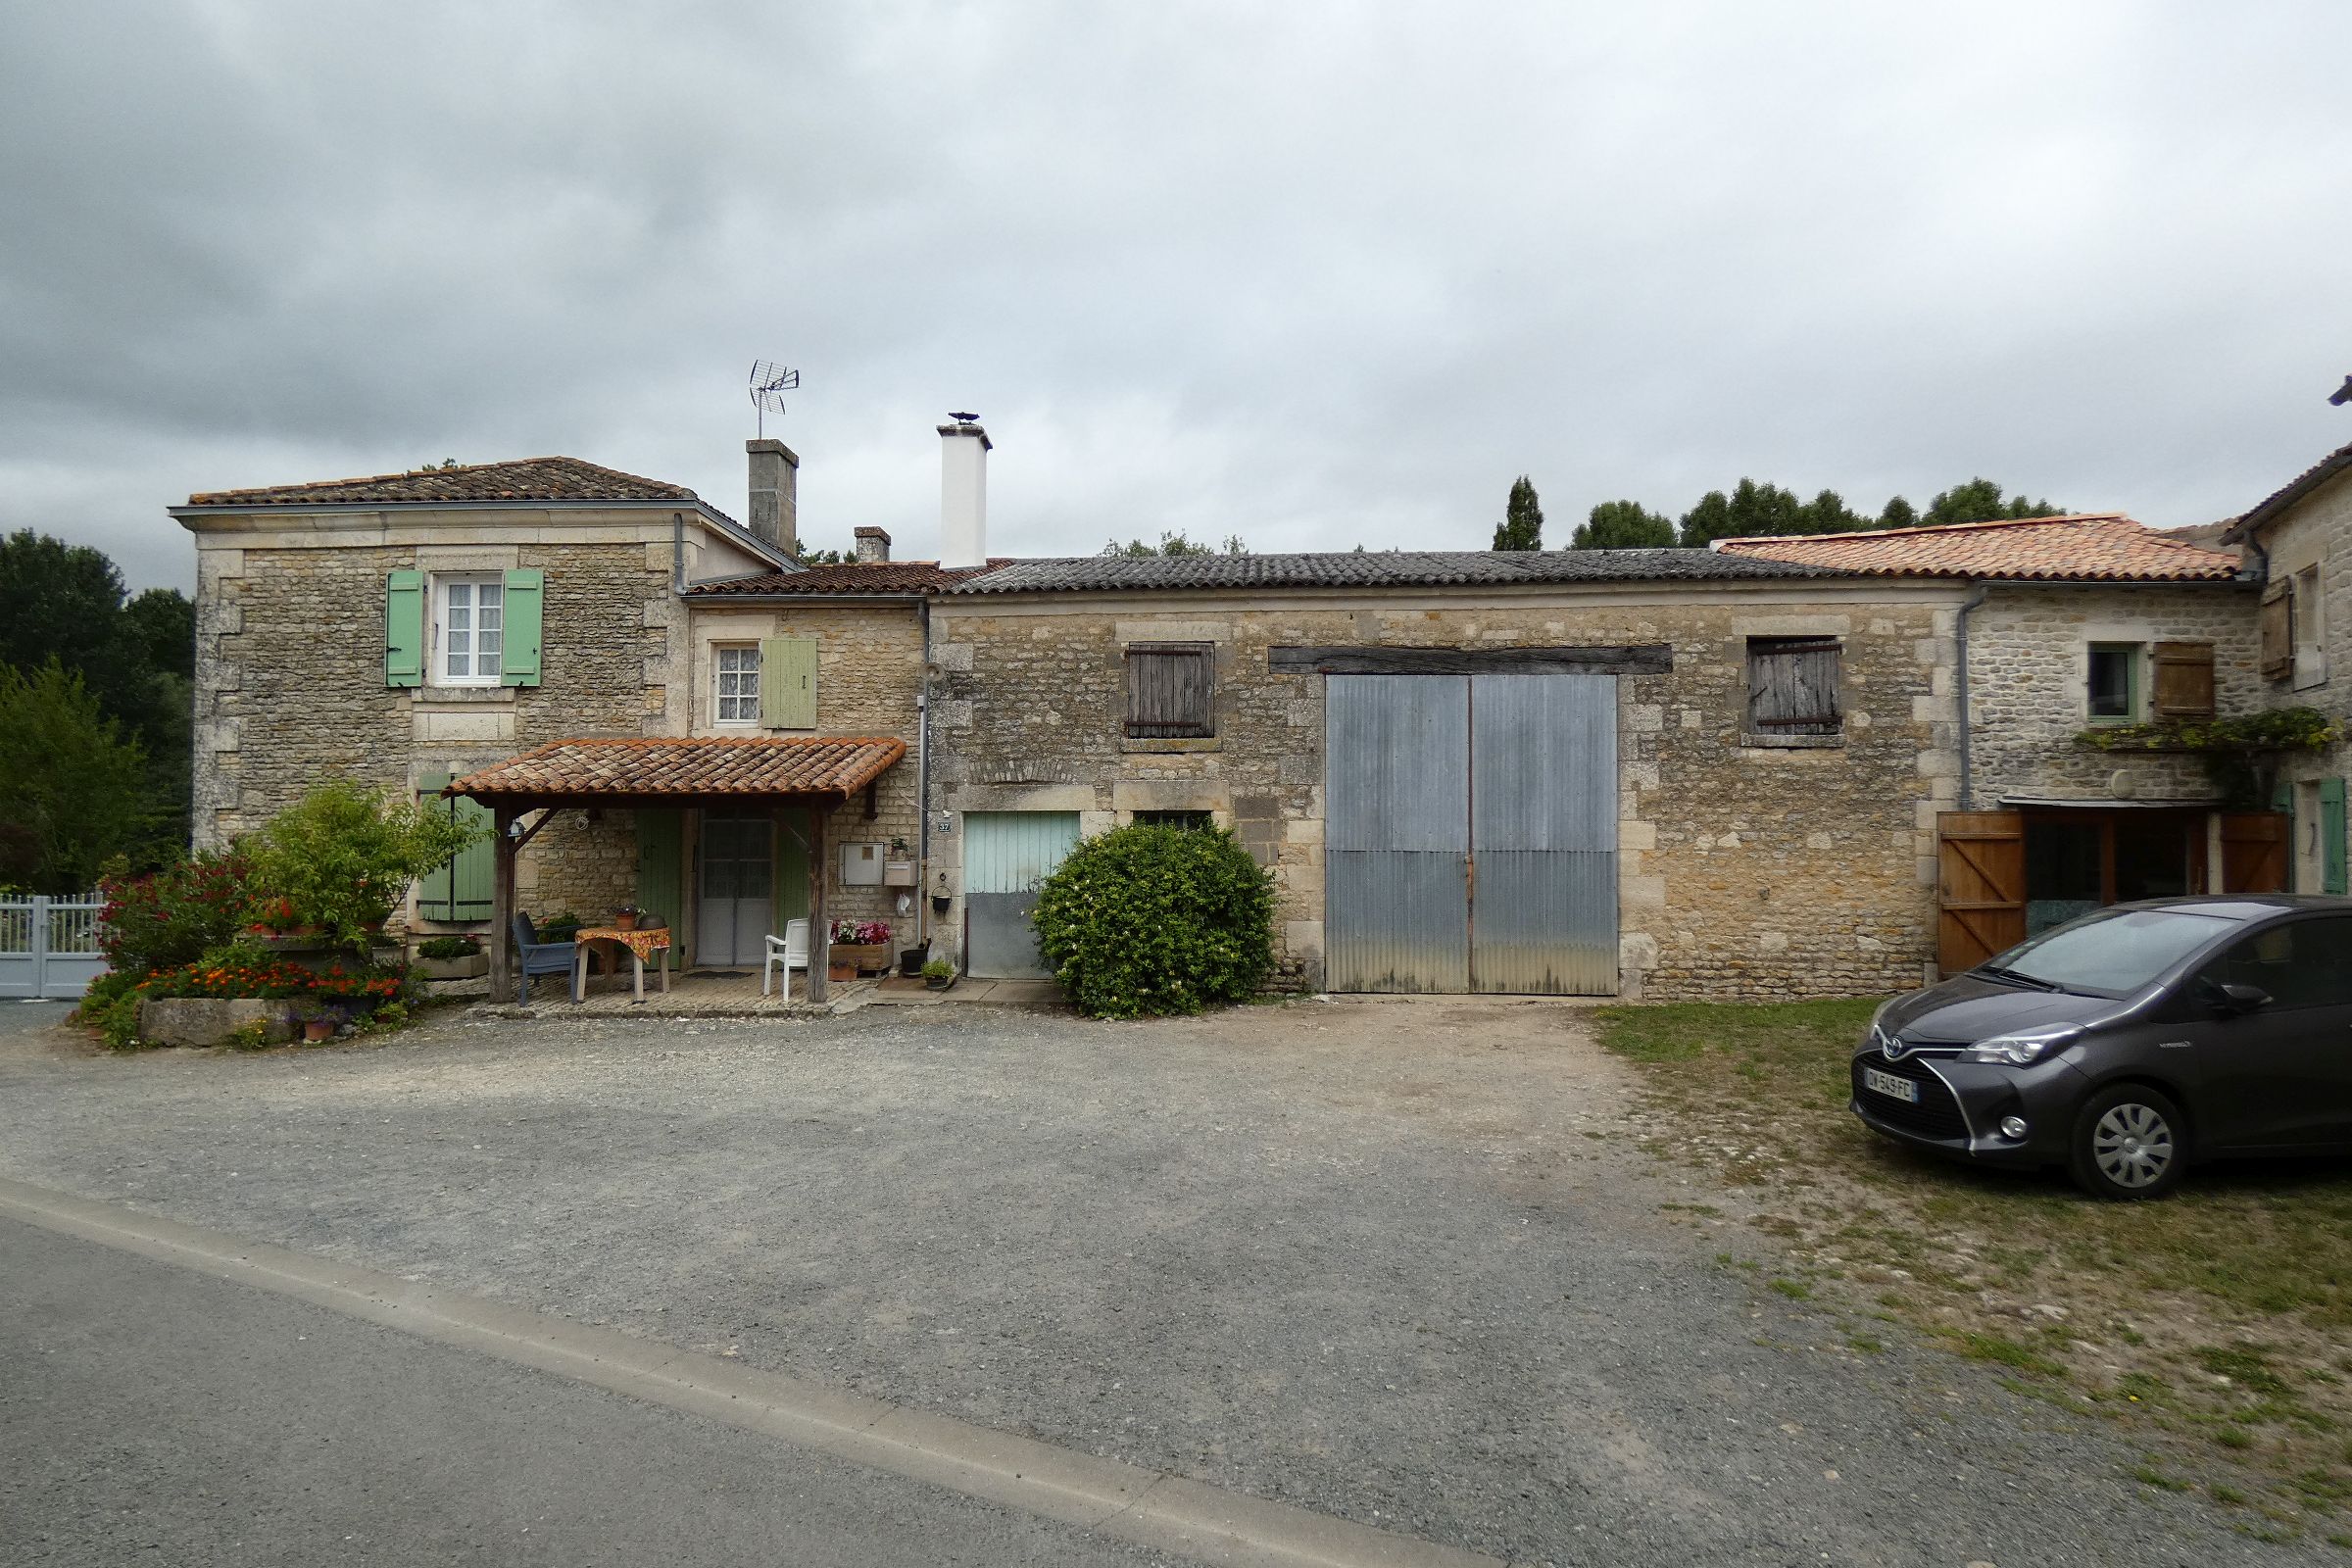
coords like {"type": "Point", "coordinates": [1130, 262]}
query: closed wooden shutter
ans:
{"type": "Point", "coordinates": [2183, 680]}
{"type": "Point", "coordinates": [661, 866]}
{"type": "Point", "coordinates": [459, 889]}
{"type": "Point", "coordinates": [433, 890]}
{"type": "Point", "coordinates": [1980, 859]}
{"type": "Point", "coordinates": [788, 682]}
{"type": "Point", "coordinates": [1793, 686]}
{"type": "Point", "coordinates": [2332, 835]}
{"type": "Point", "coordinates": [2277, 622]}
{"type": "Point", "coordinates": [2254, 852]}
{"type": "Point", "coordinates": [1171, 690]}
{"type": "Point", "coordinates": [518, 654]}
{"type": "Point", "coordinates": [403, 629]}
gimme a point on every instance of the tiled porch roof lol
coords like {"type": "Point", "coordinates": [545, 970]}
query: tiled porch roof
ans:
{"type": "Point", "coordinates": [588, 771]}
{"type": "Point", "coordinates": [2095, 546]}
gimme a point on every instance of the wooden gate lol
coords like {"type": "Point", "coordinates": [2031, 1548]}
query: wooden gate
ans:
{"type": "Point", "coordinates": [1981, 905]}
{"type": "Point", "coordinates": [2254, 847]}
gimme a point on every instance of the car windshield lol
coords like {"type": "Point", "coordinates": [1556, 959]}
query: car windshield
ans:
{"type": "Point", "coordinates": [2110, 954]}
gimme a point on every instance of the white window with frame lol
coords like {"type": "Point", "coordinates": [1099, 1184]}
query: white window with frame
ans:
{"type": "Point", "coordinates": [735, 677]}
{"type": "Point", "coordinates": [470, 615]}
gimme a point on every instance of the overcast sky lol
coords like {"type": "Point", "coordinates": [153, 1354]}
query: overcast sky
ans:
{"type": "Point", "coordinates": [1317, 275]}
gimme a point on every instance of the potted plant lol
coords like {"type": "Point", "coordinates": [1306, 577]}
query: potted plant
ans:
{"type": "Point", "coordinates": [624, 918]}
{"type": "Point", "coordinates": [858, 944]}
{"type": "Point", "coordinates": [457, 957]}
{"type": "Point", "coordinates": [318, 1023]}
{"type": "Point", "coordinates": [939, 974]}
{"type": "Point", "coordinates": [562, 926]}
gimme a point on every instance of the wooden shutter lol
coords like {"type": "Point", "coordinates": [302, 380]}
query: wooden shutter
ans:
{"type": "Point", "coordinates": [661, 866]}
{"type": "Point", "coordinates": [788, 682]}
{"type": "Point", "coordinates": [1981, 858]}
{"type": "Point", "coordinates": [403, 629]}
{"type": "Point", "coordinates": [2254, 852]}
{"type": "Point", "coordinates": [434, 893]}
{"type": "Point", "coordinates": [2277, 622]}
{"type": "Point", "coordinates": [518, 657]}
{"type": "Point", "coordinates": [2183, 680]}
{"type": "Point", "coordinates": [1793, 686]}
{"type": "Point", "coordinates": [2332, 835]}
{"type": "Point", "coordinates": [1171, 690]}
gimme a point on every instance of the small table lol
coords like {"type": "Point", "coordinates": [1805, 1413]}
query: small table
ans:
{"type": "Point", "coordinates": [639, 944]}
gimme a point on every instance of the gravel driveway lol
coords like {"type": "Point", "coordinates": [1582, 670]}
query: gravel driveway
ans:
{"type": "Point", "coordinates": [1394, 1260]}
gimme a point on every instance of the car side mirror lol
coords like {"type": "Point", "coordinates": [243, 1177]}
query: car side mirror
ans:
{"type": "Point", "coordinates": [2230, 997]}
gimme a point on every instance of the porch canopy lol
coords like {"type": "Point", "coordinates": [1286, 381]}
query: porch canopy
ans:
{"type": "Point", "coordinates": [822, 772]}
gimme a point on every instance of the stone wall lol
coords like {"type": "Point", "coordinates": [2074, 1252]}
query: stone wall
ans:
{"type": "Point", "coordinates": [2029, 686]}
{"type": "Point", "coordinates": [1744, 870]}
{"type": "Point", "coordinates": [2316, 530]}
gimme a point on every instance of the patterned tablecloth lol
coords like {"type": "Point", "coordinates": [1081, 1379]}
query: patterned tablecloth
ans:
{"type": "Point", "coordinates": [644, 944]}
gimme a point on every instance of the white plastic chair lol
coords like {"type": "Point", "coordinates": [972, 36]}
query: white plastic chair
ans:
{"type": "Point", "coordinates": [790, 949]}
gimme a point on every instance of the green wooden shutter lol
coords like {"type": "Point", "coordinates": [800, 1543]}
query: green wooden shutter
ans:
{"type": "Point", "coordinates": [471, 873]}
{"type": "Point", "coordinates": [435, 891]}
{"type": "Point", "coordinates": [662, 866]}
{"type": "Point", "coordinates": [403, 629]}
{"type": "Point", "coordinates": [2282, 800]}
{"type": "Point", "coordinates": [518, 659]}
{"type": "Point", "coordinates": [2332, 835]}
{"type": "Point", "coordinates": [788, 682]}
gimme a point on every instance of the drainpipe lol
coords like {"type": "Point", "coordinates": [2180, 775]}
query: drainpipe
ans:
{"type": "Point", "coordinates": [922, 785]}
{"type": "Point", "coordinates": [1976, 597]}
{"type": "Point", "coordinates": [677, 552]}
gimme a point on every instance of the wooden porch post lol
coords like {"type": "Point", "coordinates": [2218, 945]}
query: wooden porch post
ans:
{"type": "Point", "coordinates": [820, 930]}
{"type": "Point", "coordinates": [501, 904]}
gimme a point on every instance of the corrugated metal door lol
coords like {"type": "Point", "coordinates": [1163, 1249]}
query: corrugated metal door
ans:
{"type": "Point", "coordinates": [1470, 839]}
{"type": "Point", "coordinates": [1397, 832]}
{"type": "Point", "coordinates": [1544, 834]}
{"type": "Point", "coordinates": [1005, 856]}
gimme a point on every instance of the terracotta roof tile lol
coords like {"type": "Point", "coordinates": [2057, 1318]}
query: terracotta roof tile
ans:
{"type": "Point", "coordinates": [851, 577]}
{"type": "Point", "coordinates": [2095, 546]}
{"type": "Point", "coordinates": [1367, 569]}
{"type": "Point", "coordinates": [591, 770]}
{"type": "Point", "coordinates": [526, 479]}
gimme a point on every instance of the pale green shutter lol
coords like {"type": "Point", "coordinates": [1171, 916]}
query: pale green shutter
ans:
{"type": "Point", "coordinates": [435, 891]}
{"type": "Point", "coordinates": [519, 660]}
{"type": "Point", "coordinates": [471, 872]}
{"type": "Point", "coordinates": [403, 629]}
{"type": "Point", "coordinates": [661, 866]}
{"type": "Point", "coordinates": [2282, 800]}
{"type": "Point", "coordinates": [2332, 835]}
{"type": "Point", "coordinates": [788, 682]}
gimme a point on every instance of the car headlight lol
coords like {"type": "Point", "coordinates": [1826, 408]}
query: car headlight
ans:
{"type": "Point", "coordinates": [2020, 1046]}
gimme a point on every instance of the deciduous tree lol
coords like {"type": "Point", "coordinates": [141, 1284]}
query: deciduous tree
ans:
{"type": "Point", "coordinates": [1521, 525]}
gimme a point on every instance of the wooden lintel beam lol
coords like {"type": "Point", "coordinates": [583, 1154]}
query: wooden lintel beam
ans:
{"type": "Point", "coordinates": [1629, 659]}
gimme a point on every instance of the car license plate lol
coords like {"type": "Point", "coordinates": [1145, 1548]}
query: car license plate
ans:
{"type": "Point", "coordinates": [1887, 1084]}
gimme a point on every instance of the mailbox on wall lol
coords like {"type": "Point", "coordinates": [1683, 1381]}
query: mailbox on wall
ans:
{"type": "Point", "coordinates": [861, 864]}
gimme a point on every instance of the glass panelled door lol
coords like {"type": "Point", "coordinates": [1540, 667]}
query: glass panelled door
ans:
{"type": "Point", "coordinates": [737, 896]}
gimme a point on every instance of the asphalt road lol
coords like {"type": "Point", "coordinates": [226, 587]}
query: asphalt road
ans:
{"type": "Point", "coordinates": [151, 1414]}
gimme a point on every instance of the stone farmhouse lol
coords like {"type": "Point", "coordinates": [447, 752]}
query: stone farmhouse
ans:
{"type": "Point", "coordinates": [1777, 769]}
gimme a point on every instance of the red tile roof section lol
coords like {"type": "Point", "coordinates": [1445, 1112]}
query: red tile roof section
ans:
{"type": "Point", "coordinates": [526, 479]}
{"type": "Point", "coordinates": [587, 770]}
{"type": "Point", "coordinates": [2092, 547]}
{"type": "Point", "coordinates": [853, 577]}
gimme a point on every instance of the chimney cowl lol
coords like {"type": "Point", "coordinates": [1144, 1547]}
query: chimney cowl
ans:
{"type": "Point", "coordinates": [873, 545]}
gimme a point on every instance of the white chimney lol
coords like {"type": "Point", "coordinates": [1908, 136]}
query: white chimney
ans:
{"type": "Point", "coordinates": [963, 492]}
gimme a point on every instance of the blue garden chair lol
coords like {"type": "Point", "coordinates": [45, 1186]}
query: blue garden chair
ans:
{"type": "Point", "coordinates": [539, 958]}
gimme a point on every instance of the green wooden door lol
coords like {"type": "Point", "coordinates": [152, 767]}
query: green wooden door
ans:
{"type": "Point", "coordinates": [792, 867]}
{"type": "Point", "coordinates": [459, 891]}
{"type": "Point", "coordinates": [661, 866]}
{"type": "Point", "coordinates": [2332, 835]}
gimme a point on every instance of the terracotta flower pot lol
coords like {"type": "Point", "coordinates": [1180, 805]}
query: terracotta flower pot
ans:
{"type": "Point", "coordinates": [314, 1030]}
{"type": "Point", "coordinates": [625, 920]}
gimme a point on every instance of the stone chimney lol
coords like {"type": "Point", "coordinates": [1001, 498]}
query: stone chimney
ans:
{"type": "Point", "coordinates": [963, 492]}
{"type": "Point", "coordinates": [775, 501]}
{"type": "Point", "coordinates": [873, 546]}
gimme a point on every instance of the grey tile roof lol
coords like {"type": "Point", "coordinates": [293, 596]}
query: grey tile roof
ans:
{"type": "Point", "coordinates": [2294, 490]}
{"type": "Point", "coordinates": [1374, 570]}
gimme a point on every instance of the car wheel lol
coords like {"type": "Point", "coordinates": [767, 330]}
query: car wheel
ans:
{"type": "Point", "coordinates": [2130, 1142]}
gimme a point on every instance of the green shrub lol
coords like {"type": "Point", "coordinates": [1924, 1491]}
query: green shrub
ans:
{"type": "Point", "coordinates": [170, 917]}
{"type": "Point", "coordinates": [1154, 919]}
{"type": "Point", "coordinates": [559, 927]}
{"type": "Point", "coordinates": [343, 857]}
{"type": "Point", "coordinates": [939, 971]}
{"type": "Point", "coordinates": [442, 948]}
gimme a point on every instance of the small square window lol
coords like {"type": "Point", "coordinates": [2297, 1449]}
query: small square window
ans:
{"type": "Point", "coordinates": [1793, 696]}
{"type": "Point", "coordinates": [2114, 685]}
{"type": "Point", "coordinates": [1194, 821]}
{"type": "Point", "coordinates": [1171, 689]}
{"type": "Point", "coordinates": [737, 681]}
{"type": "Point", "coordinates": [470, 631]}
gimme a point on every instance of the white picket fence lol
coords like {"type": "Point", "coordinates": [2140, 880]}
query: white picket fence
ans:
{"type": "Point", "coordinates": [49, 946]}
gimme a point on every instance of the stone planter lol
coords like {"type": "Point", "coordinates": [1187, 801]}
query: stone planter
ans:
{"type": "Point", "coordinates": [466, 968]}
{"type": "Point", "coordinates": [209, 1020]}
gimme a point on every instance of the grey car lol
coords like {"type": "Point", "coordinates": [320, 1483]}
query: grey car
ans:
{"type": "Point", "coordinates": [2130, 1044]}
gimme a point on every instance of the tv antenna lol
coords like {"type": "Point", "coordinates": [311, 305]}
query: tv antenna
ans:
{"type": "Point", "coordinates": [769, 382]}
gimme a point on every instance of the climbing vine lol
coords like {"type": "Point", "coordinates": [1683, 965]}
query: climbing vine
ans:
{"type": "Point", "coordinates": [2233, 748]}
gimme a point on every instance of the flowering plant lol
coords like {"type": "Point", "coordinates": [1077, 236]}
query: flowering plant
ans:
{"type": "Point", "coordinates": [861, 933]}
{"type": "Point", "coordinates": [173, 915]}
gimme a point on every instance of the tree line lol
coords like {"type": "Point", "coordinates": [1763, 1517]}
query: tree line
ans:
{"type": "Point", "coordinates": [1749, 509]}
{"type": "Point", "coordinates": [95, 717]}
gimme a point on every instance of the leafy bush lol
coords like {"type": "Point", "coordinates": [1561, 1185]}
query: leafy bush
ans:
{"type": "Point", "coordinates": [1154, 919]}
{"type": "Point", "coordinates": [170, 917]}
{"type": "Point", "coordinates": [442, 948]}
{"type": "Point", "coordinates": [560, 927]}
{"type": "Point", "coordinates": [343, 857]}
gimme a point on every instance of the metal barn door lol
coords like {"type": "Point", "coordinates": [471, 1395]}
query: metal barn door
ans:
{"type": "Point", "coordinates": [1470, 839]}
{"type": "Point", "coordinates": [1005, 856]}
